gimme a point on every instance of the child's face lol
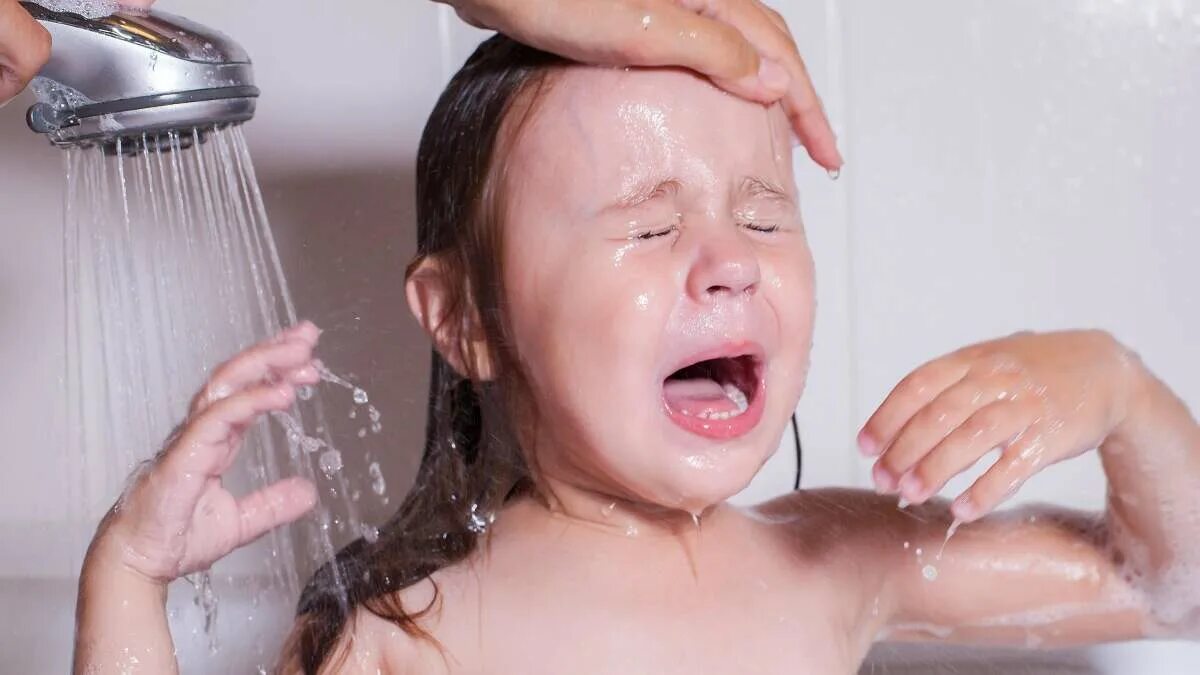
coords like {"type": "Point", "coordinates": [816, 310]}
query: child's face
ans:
{"type": "Point", "coordinates": [604, 312]}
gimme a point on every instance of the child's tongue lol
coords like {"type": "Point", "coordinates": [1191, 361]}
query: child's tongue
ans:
{"type": "Point", "coordinates": [695, 396]}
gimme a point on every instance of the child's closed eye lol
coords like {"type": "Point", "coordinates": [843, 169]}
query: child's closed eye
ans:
{"type": "Point", "coordinates": [654, 234]}
{"type": "Point", "coordinates": [761, 227]}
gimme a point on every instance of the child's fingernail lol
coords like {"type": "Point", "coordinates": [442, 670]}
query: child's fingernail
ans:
{"type": "Point", "coordinates": [773, 76]}
{"type": "Point", "coordinates": [866, 444]}
{"type": "Point", "coordinates": [885, 484]}
{"type": "Point", "coordinates": [964, 509]}
{"type": "Point", "coordinates": [911, 487]}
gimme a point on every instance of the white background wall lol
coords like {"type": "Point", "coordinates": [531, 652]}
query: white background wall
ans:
{"type": "Point", "coordinates": [1009, 165]}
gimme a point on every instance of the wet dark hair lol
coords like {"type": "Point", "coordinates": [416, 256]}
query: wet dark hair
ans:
{"type": "Point", "coordinates": [472, 462]}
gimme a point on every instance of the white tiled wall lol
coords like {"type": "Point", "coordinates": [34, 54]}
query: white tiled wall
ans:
{"type": "Point", "coordinates": [1011, 165]}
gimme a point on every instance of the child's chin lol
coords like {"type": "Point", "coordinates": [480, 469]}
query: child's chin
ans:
{"type": "Point", "coordinates": [704, 486]}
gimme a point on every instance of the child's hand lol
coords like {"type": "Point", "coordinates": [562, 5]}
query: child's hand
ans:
{"type": "Point", "coordinates": [1041, 398]}
{"type": "Point", "coordinates": [176, 517]}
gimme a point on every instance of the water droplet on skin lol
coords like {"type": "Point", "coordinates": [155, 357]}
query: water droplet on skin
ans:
{"type": "Point", "coordinates": [370, 533]}
{"type": "Point", "coordinates": [360, 396]}
{"type": "Point", "coordinates": [646, 22]}
{"type": "Point", "coordinates": [696, 520]}
{"type": "Point", "coordinates": [834, 174]}
{"type": "Point", "coordinates": [929, 572]}
{"type": "Point", "coordinates": [607, 510]}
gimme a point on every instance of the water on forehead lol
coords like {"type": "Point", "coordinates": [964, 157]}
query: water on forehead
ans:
{"type": "Point", "coordinates": [624, 127]}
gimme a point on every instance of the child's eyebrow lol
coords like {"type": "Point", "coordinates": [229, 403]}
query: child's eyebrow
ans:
{"type": "Point", "coordinates": [757, 186]}
{"type": "Point", "coordinates": [642, 192]}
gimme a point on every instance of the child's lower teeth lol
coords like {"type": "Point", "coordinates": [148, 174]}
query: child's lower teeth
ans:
{"type": "Point", "coordinates": [736, 397]}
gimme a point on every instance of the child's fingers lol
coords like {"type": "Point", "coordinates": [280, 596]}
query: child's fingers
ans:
{"type": "Point", "coordinates": [930, 425]}
{"type": "Point", "coordinates": [204, 447]}
{"type": "Point", "coordinates": [1020, 460]}
{"type": "Point", "coordinates": [253, 366]}
{"type": "Point", "coordinates": [912, 393]}
{"type": "Point", "coordinates": [306, 374]}
{"type": "Point", "coordinates": [991, 427]}
{"type": "Point", "coordinates": [277, 504]}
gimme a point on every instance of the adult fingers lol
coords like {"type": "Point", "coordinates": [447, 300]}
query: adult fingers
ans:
{"type": "Point", "coordinates": [767, 30]}
{"type": "Point", "coordinates": [24, 48]}
{"type": "Point", "coordinates": [645, 33]}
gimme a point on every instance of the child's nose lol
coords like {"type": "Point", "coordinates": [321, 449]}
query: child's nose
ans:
{"type": "Point", "coordinates": [726, 267]}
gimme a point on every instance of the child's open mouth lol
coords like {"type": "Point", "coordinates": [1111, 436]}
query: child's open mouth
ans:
{"type": "Point", "coordinates": [718, 395]}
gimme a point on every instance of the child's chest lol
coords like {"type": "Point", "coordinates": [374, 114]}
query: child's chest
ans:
{"type": "Point", "coordinates": [755, 622]}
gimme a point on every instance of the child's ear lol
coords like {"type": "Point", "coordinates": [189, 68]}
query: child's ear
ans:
{"type": "Point", "coordinates": [455, 331]}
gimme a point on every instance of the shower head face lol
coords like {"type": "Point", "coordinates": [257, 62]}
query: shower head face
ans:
{"type": "Point", "coordinates": [135, 74]}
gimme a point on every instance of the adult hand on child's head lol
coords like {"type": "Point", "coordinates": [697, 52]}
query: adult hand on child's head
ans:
{"type": "Point", "coordinates": [1040, 398]}
{"type": "Point", "coordinates": [744, 46]}
{"type": "Point", "coordinates": [176, 517]}
{"type": "Point", "coordinates": [25, 46]}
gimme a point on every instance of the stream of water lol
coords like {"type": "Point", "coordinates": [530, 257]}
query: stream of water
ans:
{"type": "Point", "coordinates": [171, 268]}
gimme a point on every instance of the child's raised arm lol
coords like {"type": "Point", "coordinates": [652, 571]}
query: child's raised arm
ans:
{"type": "Point", "coordinates": [176, 518]}
{"type": "Point", "coordinates": [1039, 576]}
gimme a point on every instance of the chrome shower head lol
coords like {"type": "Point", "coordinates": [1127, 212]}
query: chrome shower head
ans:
{"type": "Point", "coordinates": [134, 76]}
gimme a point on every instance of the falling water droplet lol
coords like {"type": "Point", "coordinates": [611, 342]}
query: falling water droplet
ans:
{"type": "Point", "coordinates": [304, 392]}
{"type": "Point", "coordinates": [378, 484]}
{"type": "Point", "coordinates": [834, 174]}
{"type": "Point", "coordinates": [370, 533]}
{"type": "Point", "coordinates": [949, 533]}
{"type": "Point", "coordinates": [479, 521]}
{"type": "Point", "coordinates": [929, 572]}
{"type": "Point", "coordinates": [360, 396]}
{"type": "Point", "coordinates": [331, 462]}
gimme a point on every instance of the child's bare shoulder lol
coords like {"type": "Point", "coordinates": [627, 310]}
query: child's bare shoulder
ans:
{"type": "Point", "coordinates": [827, 522]}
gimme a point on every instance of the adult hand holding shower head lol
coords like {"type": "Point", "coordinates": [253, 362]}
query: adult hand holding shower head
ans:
{"type": "Point", "coordinates": [133, 73]}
